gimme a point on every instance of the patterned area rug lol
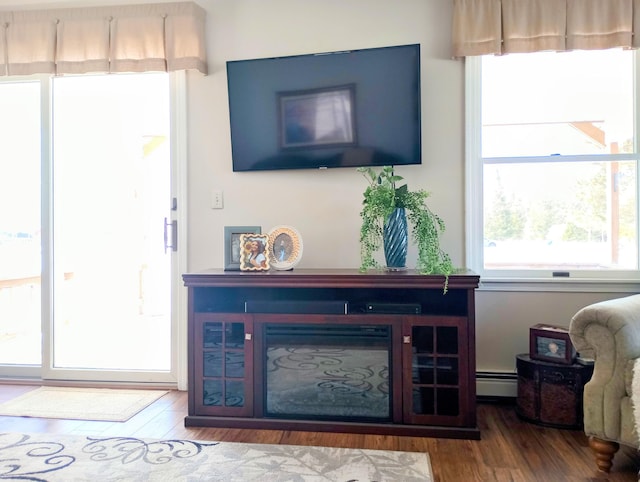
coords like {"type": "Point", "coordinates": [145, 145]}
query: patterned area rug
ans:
{"type": "Point", "coordinates": [103, 404]}
{"type": "Point", "coordinates": [54, 457]}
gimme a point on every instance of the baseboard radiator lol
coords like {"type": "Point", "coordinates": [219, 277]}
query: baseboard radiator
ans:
{"type": "Point", "coordinates": [496, 385]}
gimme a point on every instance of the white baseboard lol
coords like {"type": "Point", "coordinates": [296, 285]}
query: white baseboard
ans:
{"type": "Point", "coordinates": [496, 384]}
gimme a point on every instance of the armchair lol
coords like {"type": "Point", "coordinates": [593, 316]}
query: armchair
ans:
{"type": "Point", "coordinates": [609, 332]}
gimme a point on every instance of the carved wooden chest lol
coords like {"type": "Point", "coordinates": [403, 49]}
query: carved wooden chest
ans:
{"type": "Point", "coordinates": [550, 393]}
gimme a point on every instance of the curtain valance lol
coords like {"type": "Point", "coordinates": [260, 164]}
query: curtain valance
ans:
{"type": "Point", "coordinates": [509, 26]}
{"type": "Point", "coordinates": [132, 38]}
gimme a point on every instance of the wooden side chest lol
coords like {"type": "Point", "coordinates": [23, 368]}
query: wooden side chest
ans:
{"type": "Point", "coordinates": [549, 393]}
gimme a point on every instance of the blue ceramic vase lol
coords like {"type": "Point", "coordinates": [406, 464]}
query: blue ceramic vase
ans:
{"type": "Point", "coordinates": [395, 239]}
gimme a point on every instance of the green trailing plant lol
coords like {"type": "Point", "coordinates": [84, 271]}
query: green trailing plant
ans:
{"type": "Point", "coordinates": [381, 197]}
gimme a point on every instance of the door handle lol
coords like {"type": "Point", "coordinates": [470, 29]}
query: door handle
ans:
{"type": "Point", "coordinates": [174, 235]}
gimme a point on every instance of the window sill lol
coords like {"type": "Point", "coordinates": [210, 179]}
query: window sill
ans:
{"type": "Point", "coordinates": [560, 285]}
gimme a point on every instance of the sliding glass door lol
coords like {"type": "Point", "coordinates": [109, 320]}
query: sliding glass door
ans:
{"type": "Point", "coordinates": [107, 264]}
{"type": "Point", "coordinates": [20, 230]}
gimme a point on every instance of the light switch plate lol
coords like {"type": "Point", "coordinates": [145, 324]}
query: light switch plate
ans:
{"type": "Point", "coordinates": [216, 199]}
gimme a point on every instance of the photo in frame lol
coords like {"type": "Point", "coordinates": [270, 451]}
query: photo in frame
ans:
{"type": "Point", "coordinates": [254, 252]}
{"type": "Point", "coordinates": [551, 344]}
{"type": "Point", "coordinates": [285, 247]}
{"type": "Point", "coordinates": [232, 245]}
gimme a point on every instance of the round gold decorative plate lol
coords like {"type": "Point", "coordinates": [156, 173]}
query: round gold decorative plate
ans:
{"type": "Point", "coordinates": [285, 247]}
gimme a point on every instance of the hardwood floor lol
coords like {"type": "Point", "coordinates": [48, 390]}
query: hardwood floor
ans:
{"type": "Point", "coordinates": [510, 449]}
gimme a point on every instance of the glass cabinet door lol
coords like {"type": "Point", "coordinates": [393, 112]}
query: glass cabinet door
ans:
{"type": "Point", "coordinates": [223, 364]}
{"type": "Point", "coordinates": [434, 352]}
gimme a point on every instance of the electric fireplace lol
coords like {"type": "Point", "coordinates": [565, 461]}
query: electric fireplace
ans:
{"type": "Point", "coordinates": [328, 372]}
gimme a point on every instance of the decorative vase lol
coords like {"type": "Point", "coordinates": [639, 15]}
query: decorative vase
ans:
{"type": "Point", "coordinates": [395, 240]}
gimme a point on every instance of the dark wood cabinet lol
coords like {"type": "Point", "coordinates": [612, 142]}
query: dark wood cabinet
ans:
{"type": "Point", "coordinates": [333, 350]}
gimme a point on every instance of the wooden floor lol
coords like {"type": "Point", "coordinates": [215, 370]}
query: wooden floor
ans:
{"type": "Point", "coordinates": [510, 449]}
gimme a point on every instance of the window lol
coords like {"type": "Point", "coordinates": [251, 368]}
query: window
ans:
{"type": "Point", "coordinates": [552, 165]}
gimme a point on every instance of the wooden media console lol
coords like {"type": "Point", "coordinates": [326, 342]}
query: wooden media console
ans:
{"type": "Point", "coordinates": [333, 350]}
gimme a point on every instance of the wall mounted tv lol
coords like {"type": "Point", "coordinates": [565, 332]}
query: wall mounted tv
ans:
{"type": "Point", "coordinates": [338, 109]}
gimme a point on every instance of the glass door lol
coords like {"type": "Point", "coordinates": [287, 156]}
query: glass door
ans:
{"type": "Point", "coordinates": [86, 228]}
{"type": "Point", "coordinates": [111, 211]}
{"type": "Point", "coordinates": [436, 368]}
{"type": "Point", "coordinates": [20, 234]}
{"type": "Point", "coordinates": [224, 372]}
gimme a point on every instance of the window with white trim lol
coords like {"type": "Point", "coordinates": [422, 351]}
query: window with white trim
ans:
{"type": "Point", "coordinates": [552, 186]}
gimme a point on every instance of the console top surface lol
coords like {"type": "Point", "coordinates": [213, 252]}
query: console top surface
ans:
{"type": "Point", "coordinates": [326, 278]}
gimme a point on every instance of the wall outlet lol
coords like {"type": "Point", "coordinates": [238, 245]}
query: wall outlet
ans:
{"type": "Point", "coordinates": [216, 199]}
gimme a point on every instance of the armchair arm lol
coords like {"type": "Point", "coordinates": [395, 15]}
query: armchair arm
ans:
{"type": "Point", "coordinates": [609, 332]}
{"type": "Point", "coordinates": [616, 321]}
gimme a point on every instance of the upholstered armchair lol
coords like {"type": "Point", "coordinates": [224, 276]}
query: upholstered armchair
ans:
{"type": "Point", "coordinates": [609, 332]}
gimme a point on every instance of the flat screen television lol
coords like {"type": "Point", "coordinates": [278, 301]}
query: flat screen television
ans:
{"type": "Point", "coordinates": [338, 109]}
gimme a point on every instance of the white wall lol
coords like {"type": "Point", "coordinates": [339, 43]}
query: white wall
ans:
{"type": "Point", "coordinates": [323, 205]}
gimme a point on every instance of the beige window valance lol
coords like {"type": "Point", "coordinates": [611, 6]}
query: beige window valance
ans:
{"type": "Point", "coordinates": [509, 26]}
{"type": "Point", "coordinates": [132, 38]}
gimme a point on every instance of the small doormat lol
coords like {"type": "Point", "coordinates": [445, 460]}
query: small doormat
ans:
{"type": "Point", "coordinates": [104, 404]}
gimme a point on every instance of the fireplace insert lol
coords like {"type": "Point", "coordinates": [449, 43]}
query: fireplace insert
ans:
{"type": "Point", "coordinates": [328, 372]}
